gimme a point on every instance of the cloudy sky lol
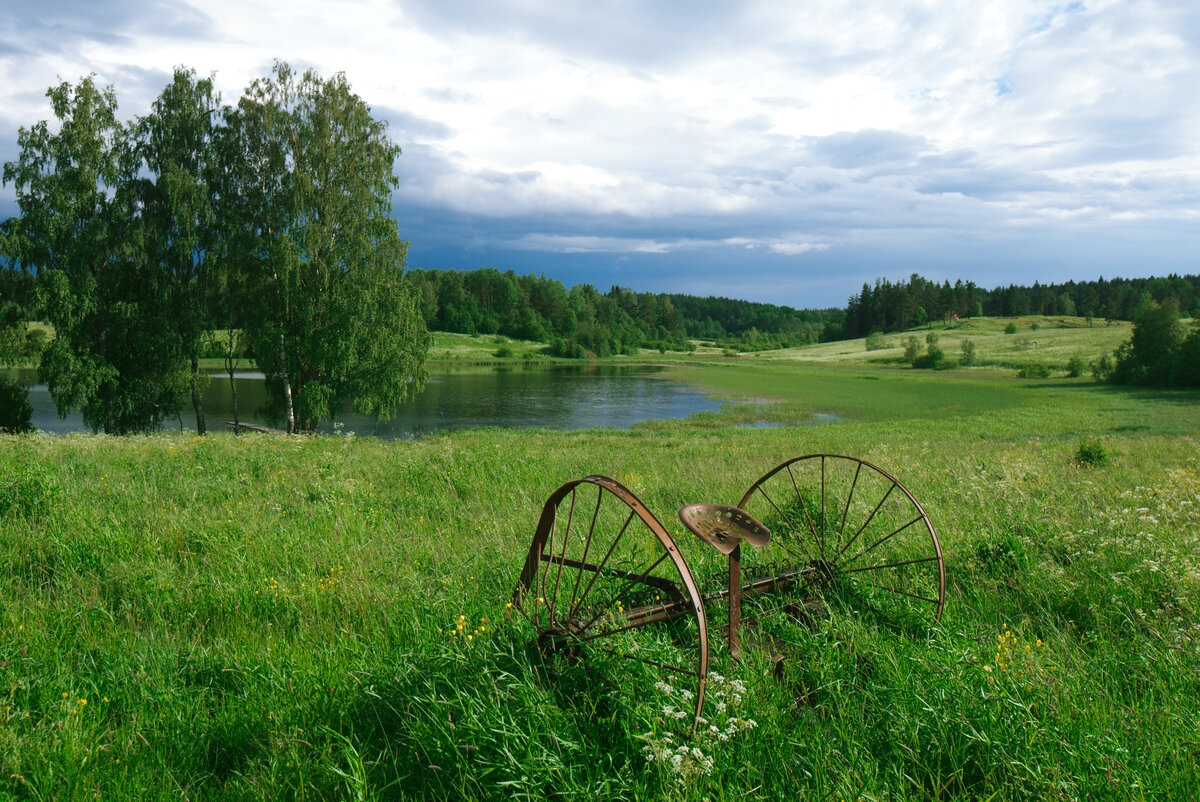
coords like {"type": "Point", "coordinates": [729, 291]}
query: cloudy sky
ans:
{"type": "Point", "coordinates": [777, 151]}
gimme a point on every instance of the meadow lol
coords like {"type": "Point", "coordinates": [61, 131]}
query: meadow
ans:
{"type": "Point", "coordinates": [327, 617]}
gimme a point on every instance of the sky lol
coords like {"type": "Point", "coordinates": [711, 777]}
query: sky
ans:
{"type": "Point", "coordinates": [784, 152]}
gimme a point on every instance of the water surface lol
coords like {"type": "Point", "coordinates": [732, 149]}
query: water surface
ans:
{"type": "Point", "coordinates": [558, 397]}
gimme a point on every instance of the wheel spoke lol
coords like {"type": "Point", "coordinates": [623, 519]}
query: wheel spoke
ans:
{"type": "Point", "coordinates": [846, 509]}
{"type": "Point", "coordinates": [859, 504]}
{"type": "Point", "coordinates": [884, 539]}
{"type": "Point", "coordinates": [639, 582]}
{"type": "Point", "coordinates": [804, 507]}
{"type": "Point", "coordinates": [563, 556]}
{"type": "Point", "coordinates": [608, 633]}
{"type": "Point", "coordinates": [566, 538]}
{"type": "Point", "coordinates": [868, 521]}
{"type": "Point", "coordinates": [574, 606]}
{"type": "Point", "coordinates": [621, 594]}
{"type": "Point", "coordinates": [791, 525]}
{"type": "Point", "coordinates": [550, 552]}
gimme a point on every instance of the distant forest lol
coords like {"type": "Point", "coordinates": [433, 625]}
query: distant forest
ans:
{"type": "Point", "coordinates": [897, 306]}
{"type": "Point", "coordinates": [582, 320]}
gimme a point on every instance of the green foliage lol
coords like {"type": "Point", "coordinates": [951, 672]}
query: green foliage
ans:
{"type": "Point", "coordinates": [15, 409]}
{"type": "Point", "coordinates": [932, 338]}
{"type": "Point", "coordinates": [1034, 326]}
{"type": "Point", "coordinates": [1152, 354]}
{"type": "Point", "coordinates": [933, 358]}
{"type": "Point", "coordinates": [1186, 371]}
{"type": "Point", "coordinates": [1075, 366]}
{"type": "Point", "coordinates": [875, 341]}
{"type": "Point", "coordinates": [967, 353]}
{"type": "Point", "coordinates": [330, 318]}
{"type": "Point", "coordinates": [912, 349]}
{"type": "Point", "coordinates": [620, 321]}
{"type": "Point", "coordinates": [1091, 453]}
{"type": "Point", "coordinates": [892, 306]}
{"type": "Point", "coordinates": [181, 241]}
{"type": "Point", "coordinates": [503, 352]}
{"type": "Point", "coordinates": [1035, 370]}
{"type": "Point", "coordinates": [77, 189]}
{"type": "Point", "coordinates": [1011, 328]}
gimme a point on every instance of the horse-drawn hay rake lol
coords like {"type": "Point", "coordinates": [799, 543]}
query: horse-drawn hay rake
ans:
{"type": "Point", "coordinates": [604, 581]}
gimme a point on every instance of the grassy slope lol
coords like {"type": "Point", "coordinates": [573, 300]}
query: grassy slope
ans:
{"type": "Point", "coordinates": [263, 617]}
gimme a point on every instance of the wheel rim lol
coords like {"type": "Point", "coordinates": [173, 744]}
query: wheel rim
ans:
{"type": "Point", "coordinates": [845, 524]}
{"type": "Point", "coordinates": [603, 580]}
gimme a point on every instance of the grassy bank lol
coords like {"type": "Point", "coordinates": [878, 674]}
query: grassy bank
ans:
{"type": "Point", "coordinates": [322, 618]}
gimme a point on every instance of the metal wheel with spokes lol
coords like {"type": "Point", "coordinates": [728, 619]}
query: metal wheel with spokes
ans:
{"type": "Point", "coordinates": [850, 530]}
{"type": "Point", "coordinates": [604, 584]}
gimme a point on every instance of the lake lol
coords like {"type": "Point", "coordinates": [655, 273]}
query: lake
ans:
{"type": "Point", "coordinates": [519, 397]}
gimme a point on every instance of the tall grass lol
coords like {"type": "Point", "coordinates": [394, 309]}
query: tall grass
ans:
{"type": "Point", "coordinates": [325, 618]}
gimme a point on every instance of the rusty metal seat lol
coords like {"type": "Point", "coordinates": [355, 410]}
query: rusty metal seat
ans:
{"type": "Point", "coordinates": [723, 526]}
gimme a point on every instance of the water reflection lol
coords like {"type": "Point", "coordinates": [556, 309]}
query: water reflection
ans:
{"type": "Point", "coordinates": [560, 397]}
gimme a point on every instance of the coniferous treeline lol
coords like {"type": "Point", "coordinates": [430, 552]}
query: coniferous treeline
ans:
{"type": "Point", "coordinates": [582, 320]}
{"type": "Point", "coordinates": [889, 306]}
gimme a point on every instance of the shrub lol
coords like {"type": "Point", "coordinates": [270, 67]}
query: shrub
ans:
{"type": "Point", "coordinates": [1091, 454]}
{"type": "Point", "coordinates": [504, 352]}
{"type": "Point", "coordinates": [1011, 328]}
{"type": "Point", "coordinates": [1075, 366]}
{"type": "Point", "coordinates": [931, 339]}
{"type": "Point", "coordinates": [875, 341]}
{"type": "Point", "coordinates": [1102, 368]}
{"type": "Point", "coordinates": [1034, 371]}
{"type": "Point", "coordinates": [912, 349]}
{"type": "Point", "coordinates": [934, 358]}
{"type": "Point", "coordinates": [1034, 326]}
{"type": "Point", "coordinates": [968, 353]}
{"type": "Point", "coordinates": [15, 409]}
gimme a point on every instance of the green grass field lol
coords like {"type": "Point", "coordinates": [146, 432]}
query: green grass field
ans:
{"type": "Point", "coordinates": [325, 618]}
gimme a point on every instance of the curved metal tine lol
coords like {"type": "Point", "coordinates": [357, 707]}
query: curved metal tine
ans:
{"type": "Point", "coordinates": [902, 593]}
{"type": "Point", "coordinates": [824, 516]}
{"type": "Point", "coordinates": [884, 539]}
{"type": "Point", "coordinates": [785, 517]}
{"type": "Point", "coordinates": [846, 509]}
{"type": "Point", "coordinates": [575, 606]}
{"type": "Point", "coordinates": [587, 545]}
{"type": "Point", "coordinates": [620, 594]}
{"type": "Point", "coordinates": [804, 507]}
{"type": "Point", "coordinates": [678, 670]}
{"type": "Point", "coordinates": [868, 521]}
{"type": "Point", "coordinates": [889, 565]}
{"type": "Point", "coordinates": [550, 551]}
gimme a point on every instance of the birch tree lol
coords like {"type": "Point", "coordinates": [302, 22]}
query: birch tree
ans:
{"type": "Point", "coordinates": [333, 321]}
{"type": "Point", "coordinates": [79, 231]}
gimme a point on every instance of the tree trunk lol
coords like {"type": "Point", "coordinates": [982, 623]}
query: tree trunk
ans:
{"type": "Point", "coordinates": [201, 428]}
{"type": "Point", "coordinates": [237, 429]}
{"type": "Point", "coordinates": [287, 388]}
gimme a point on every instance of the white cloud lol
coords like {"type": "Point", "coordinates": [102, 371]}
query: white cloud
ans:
{"type": "Point", "coordinates": [653, 128]}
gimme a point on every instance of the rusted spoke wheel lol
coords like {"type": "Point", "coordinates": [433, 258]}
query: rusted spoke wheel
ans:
{"type": "Point", "coordinates": [850, 530]}
{"type": "Point", "coordinates": [604, 585]}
